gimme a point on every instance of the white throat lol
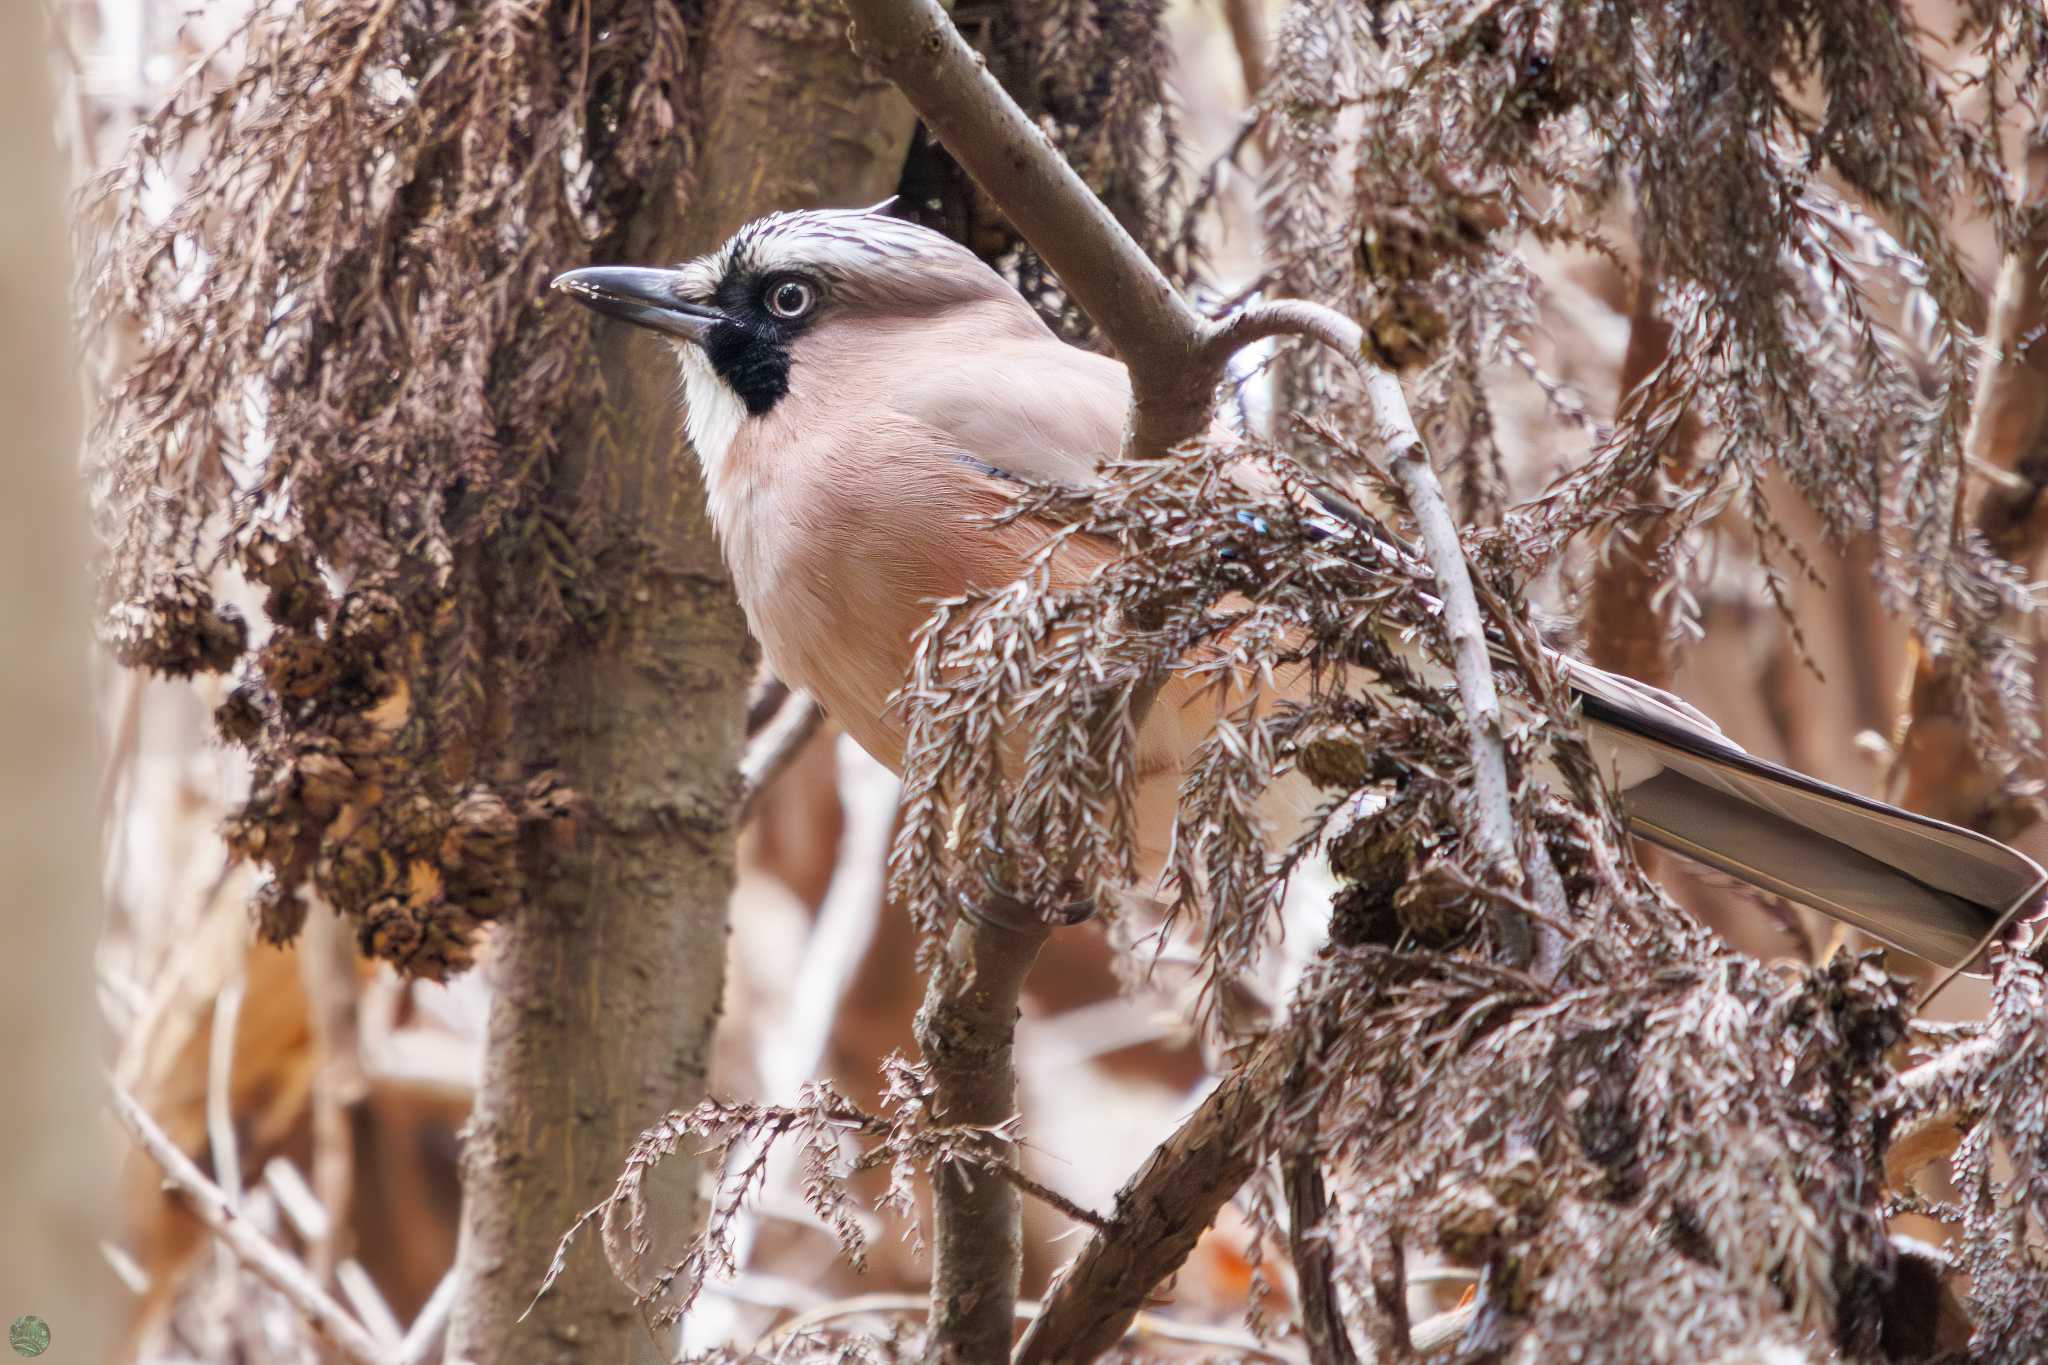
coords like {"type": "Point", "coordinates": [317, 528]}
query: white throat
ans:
{"type": "Point", "coordinates": [712, 413]}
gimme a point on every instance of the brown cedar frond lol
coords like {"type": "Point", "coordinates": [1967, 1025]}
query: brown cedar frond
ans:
{"type": "Point", "coordinates": [1758, 153]}
{"type": "Point", "coordinates": [833, 1139]}
{"type": "Point", "coordinates": [2001, 1168]}
{"type": "Point", "coordinates": [338, 337]}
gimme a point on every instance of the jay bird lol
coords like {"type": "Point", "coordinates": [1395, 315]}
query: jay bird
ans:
{"type": "Point", "coordinates": [863, 394]}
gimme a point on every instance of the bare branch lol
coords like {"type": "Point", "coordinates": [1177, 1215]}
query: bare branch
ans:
{"type": "Point", "coordinates": [1051, 1198]}
{"type": "Point", "coordinates": [966, 1030]}
{"type": "Point", "coordinates": [1282, 317]}
{"type": "Point", "coordinates": [276, 1267]}
{"type": "Point", "coordinates": [774, 748]}
{"type": "Point", "coordinates": [1160, 1213]}
{"type": "Point", "coordinates": [1494, 810]}
{"type": "Point", "coordinates": [425, 1334]}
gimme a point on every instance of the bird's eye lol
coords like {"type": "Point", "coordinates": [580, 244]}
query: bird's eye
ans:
{"type": "Point", "coordinates": [791, 298]}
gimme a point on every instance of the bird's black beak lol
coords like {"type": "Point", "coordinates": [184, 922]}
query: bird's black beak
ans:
{"type": "Point", "coordinates": [643, 297]}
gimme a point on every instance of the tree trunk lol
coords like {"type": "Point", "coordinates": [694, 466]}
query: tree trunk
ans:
{"type": "Point", "coordinates": [55, 1201]}
{"type": "Point", "coordinates": [606, 990]}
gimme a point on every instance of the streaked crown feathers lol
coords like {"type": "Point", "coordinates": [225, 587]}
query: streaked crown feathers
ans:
{"type": "Point", "coordinates": [863, 252]}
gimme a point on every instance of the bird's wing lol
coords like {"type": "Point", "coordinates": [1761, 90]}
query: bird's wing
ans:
{"type": "Point", "coordinates": [1037, 409]}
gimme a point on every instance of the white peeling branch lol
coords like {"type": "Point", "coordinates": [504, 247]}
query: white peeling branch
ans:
{"type": "Point", "coordinates": [271, 1263]}
{"type": "Point", "coordinates": [1492, 799]}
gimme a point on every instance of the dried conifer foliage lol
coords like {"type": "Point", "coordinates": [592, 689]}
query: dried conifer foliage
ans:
{"type": "Point", "coordinates": [1789, 173]}
{"type": "Point", "coordinates": [1665, 1145]}
{"type": "Point", "coordinates": [339, 379]}
{"type": "Point", "coordinates": [1665, 1151]}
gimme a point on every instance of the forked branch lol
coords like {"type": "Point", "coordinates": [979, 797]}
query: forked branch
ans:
{"type": "Point", "coordinates": [278, 1268]}
{"type": "Point", "coordinates": [1176, 359]}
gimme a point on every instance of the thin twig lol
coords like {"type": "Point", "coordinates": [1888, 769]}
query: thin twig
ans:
{"type": "Point", "coordinates": [1493, 806]}
{"type": "Point", "coordinates": [775, 747]}
{"type": "Point", "coordinates": [966, 1030]}
{"type": "Point", "coordinates": [1051, 1197]}
{"type": "Point", "coordinates": [426, 1331]}
{"type": "Point", "coordinates": [220, 1091]}
{"type": "Point", "coordinates": [371, 1308]}
{"type": "Point", "coordinates": [1442, 1331]}
{"type": "Point", "coordinates": [276, 1267]}
{"type": "Point", "coordinates": [1463, 623]}
{"type": "Point", "coordinates": [295, 1199]}
{"type": "Point", "coordinates": [765, 702]}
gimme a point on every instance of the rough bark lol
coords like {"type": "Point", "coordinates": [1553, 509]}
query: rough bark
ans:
{"type": "Point", "coordinates": [967, 1032]}
{"type": "Point", "coordinates": [56, 1200]}
{"type": "Point", "coordinates": [1322, 1316]}
{"type": "Point", "coordinates": [1941, 768]}
{"type": "Point", "coordinates": [606, 991]}
{"type": "Point", "coordinates": [1160, 1213]}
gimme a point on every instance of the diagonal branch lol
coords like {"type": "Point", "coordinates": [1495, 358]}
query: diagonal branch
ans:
{"type": "Point", "coordinates": [1156, 332]}
{"type": "Point", "coordinates": [271, 1263]}
{"type": "Point", "coordinates": [1160, 1213]}
{"type": "Point", "coordinates": [774, 747]}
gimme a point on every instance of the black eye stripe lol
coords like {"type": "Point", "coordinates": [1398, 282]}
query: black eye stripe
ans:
{"type": "Point", "coordinates": [750, 350]}
{"type": "Point", "coordinates": [753, 362]}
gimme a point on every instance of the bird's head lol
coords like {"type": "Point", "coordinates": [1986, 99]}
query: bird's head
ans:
{"type": "Point", "coordinates": [785, 290]}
